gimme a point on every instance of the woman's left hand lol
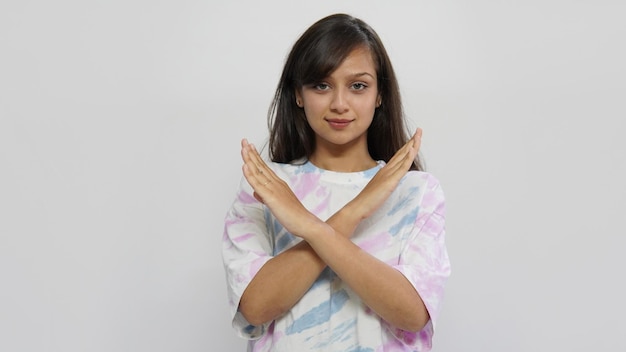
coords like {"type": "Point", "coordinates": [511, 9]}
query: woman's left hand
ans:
{"type": "Point", "coordinates": [386, 180]}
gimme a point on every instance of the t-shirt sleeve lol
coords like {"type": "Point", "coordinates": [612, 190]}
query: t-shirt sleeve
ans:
{"type": "Point", "coordinates": [424, 260]}
{"type": "Point", "coordinates": [245, 249]}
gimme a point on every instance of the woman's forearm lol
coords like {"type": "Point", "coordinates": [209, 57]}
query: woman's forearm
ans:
{"type": "Point", "coordinates": [284, 279]}
{"type": "Point", "coordinates": [381, 287]}
{"type": "Point", "coordinates": [280, 283]}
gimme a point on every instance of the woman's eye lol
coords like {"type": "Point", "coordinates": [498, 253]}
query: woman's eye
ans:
{"type": "Point", "coordinates": [321, 86]}
{"type": "Point", "coordinates": [359, 86]}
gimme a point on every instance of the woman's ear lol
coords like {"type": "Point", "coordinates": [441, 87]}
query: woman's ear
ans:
{"type": "Point", "coordinates": [379, 101]}
{"type": "Point", "coordinates": [299, 98]}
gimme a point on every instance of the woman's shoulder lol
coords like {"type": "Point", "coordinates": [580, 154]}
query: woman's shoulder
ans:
{"type": "Point", "coordinates": [422, 179]}
{"type": "Point", "coordinates": [424, 189]}
{"type": "Point", "coordinates": [421, 186]}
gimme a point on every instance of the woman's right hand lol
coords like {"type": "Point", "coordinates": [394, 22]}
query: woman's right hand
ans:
{"type": "Point", "coordinates": [275, 193]}
{"type": "Point", "coordinates": [386, 180]}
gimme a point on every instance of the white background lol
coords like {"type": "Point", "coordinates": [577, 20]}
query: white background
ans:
{"type": "Point", "coordinates": [120, 124]}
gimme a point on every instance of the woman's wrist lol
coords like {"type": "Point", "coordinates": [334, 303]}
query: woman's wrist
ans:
{"type": "Point", "coordinates": [354, 211]}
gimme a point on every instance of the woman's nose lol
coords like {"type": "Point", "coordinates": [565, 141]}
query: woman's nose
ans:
{"type": "Point", "coordinates": [339, 103]}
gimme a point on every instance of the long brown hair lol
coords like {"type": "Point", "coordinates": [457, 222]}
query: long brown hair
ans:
{"type": "Point", "coordinates": [314, 56]}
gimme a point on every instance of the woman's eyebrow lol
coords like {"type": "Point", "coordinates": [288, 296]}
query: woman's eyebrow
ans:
{"type": "Point", "coordinates": [360, 74]}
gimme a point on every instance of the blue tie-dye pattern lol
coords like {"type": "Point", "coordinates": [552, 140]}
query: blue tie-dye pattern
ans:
{"type": "Point", "coordinates": [406, 220]}
{"type": "Point", "coordinates": [309, 168]}
{"type": "Point", "coordinates": [338, 334]}
{"type": "Point", "coordinates": [371, 172]}
{"type": "Point", "coordinates": [282, 237]}
{"type": "Point", "coordinates": [404, 199]}
{"type": "Point", "coordinates": [267, 216]}
{"type": "Point", "coordinates": [283, 241]}
{"type": "Point", "coordinates": [320, 314]}
{"type": "Point", "coordinates": [361, 349]}
{"type": "Point", "coordinates": [277, 226]}
{"type": "Point", "coordinates": [324, 278]}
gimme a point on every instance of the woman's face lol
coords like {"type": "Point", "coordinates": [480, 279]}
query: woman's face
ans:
{"type": "Point", "coordinates": [340, 108]}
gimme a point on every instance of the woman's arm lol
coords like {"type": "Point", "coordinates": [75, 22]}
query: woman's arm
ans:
{"type": "Point", "coordinates": [381, 287]}
{"type": "Point", "coordinates": [283, 280]}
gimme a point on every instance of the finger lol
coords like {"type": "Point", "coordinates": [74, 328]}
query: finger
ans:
{"type": "Point", "coordinates": [250, 155]}
{"type": "Point", "coordinates": [258, 197]}
{"type": "Point", "coordinates": [257, 180]}
{"type": "Point", "coordinates": [256, 170]}
{"type": "Point", "coordinates": [248, 165]}
{"type": "Point", "coordinates": [399, 158]}
{"type": "Point", "coordinates": [399, 155]}
{"type": "Point", "coordinates": [259, 163]}
{"type": "Point", "coordinates": [244, 144]}
{"type": "Point", "coordinates": [417, 141]}
{"type": "Point", "coordinates": [417, 138]}
{"type": "Point", "coordinates": [413, 147]}
{"type": "Point", "coordinates": [405, 156]}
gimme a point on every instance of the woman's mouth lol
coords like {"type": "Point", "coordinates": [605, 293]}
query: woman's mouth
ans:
{"type": "Point", "coordinates": [338, 123]}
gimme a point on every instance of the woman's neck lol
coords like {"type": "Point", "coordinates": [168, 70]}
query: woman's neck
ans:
{"type": "Point", "coordinates": [343, 162]}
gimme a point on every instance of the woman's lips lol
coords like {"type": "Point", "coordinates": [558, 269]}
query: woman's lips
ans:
{"type": "Point", "coordinates": [338, 123]}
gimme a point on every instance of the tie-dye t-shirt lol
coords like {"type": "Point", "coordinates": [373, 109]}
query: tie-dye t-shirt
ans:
{"type": "Point", "coordinates": [407, 232]}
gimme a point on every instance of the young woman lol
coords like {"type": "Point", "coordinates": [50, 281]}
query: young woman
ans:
{"type": "Point", "coordinates": [337, 243]}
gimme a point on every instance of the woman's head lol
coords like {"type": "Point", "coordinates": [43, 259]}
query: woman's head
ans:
{"type": "Point", "coordinates": [316, 54]}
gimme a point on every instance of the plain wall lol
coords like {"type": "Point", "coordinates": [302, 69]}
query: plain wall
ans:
{"type": "Point", "coordinates": [120, 124]}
